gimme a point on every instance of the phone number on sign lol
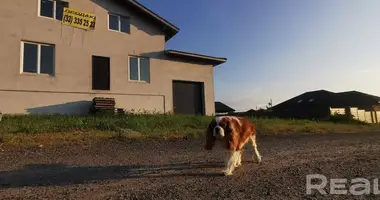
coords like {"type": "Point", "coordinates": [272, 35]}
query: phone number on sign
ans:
{"type": "Point", "coordinates": [78, 21]}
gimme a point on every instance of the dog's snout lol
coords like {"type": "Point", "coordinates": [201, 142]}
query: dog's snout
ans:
{"type": "Point", "coordinates": [218, 131]}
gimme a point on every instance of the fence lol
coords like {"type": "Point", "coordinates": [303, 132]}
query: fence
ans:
{"type": "Point", "coordinates": [368, 116]}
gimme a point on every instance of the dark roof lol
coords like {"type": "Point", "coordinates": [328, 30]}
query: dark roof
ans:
{"type": "Point", "coordinates": [327, 98]}
{"type": "Point", "coordinates": [221, 107]}
{"type": "Point", "coordinates": [169, 29]}
{"type": "Point", "coordinates": [196, 57]}
{"type": "Point", "coordinates": [355, 98]}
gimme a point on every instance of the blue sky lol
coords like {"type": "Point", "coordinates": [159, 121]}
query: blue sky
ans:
{"type": "Point", "coordinates": [277, 49]}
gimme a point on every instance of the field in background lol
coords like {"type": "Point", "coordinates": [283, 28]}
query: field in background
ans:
{"type": "Point", "coordinates": [34, 130]}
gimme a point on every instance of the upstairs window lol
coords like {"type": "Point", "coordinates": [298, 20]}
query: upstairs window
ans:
{"type": "Point", "coordinates": [118, 23]}
{"type": "Point", "coordinates": [38, 58]}
{"type": "Point", "coordinates": [139, 69]}
{"type": "Point", "coordinates": [53, 8]}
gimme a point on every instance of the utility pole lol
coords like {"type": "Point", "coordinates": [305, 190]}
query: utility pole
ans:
{"type": "Point", "coordinates": [271, 103]}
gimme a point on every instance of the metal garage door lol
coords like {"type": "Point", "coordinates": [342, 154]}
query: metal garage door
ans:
{"type": "Point", "coordinates": [188, 98]}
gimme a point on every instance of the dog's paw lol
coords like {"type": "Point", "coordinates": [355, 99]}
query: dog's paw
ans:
{"type": "Point", "coordinates": [238, 165]}
{"type": "Point", "coordinates": [227, 172]}
{"type": "Point", "coordinates": [256, 159]}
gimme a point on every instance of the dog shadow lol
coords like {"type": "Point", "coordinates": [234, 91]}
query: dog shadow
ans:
{"type": "Point", "coordinates": [36, 175]}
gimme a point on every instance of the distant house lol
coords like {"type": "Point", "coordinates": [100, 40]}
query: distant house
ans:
{"type": "Point", "coordinates": [221, 108]}
{"type": "Point", "coordinates": [317, 104]}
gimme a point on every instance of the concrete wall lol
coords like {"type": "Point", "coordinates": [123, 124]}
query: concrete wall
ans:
{"type": "Point", "coordinates": [359, 114]}
{"type": "Point", "coordinates": [72, 103]}
{"type": "Point", "coordinates": [368, 116]}
{"type": "Point", "coordinates": [72, 82]}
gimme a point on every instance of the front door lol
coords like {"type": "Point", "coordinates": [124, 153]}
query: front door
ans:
{"type": "Point", "coordinates": [100, 73]}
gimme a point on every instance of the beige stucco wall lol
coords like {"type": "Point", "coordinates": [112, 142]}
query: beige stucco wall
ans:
{"type": "Point", "coordinates": [72, 82]}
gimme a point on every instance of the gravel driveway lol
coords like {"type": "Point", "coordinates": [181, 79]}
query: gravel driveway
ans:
{"type": "Point", "coordinates": [183, 170]}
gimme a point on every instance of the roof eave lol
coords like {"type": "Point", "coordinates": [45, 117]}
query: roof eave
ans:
{"type": "Point", "coordinates": [169, 29]}
{"type": "Point", "coordinates": [207, 59]}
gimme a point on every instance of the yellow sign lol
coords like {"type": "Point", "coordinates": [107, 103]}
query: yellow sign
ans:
{"type": "Point", "coordinates": [78, 19]}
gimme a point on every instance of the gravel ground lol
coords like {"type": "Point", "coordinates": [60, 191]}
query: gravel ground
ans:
{"type": "Point", "coordinates": [183, 170]}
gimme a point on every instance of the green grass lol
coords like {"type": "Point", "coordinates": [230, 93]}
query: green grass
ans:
{"type": "Point", "coordinates": [146, 124]}
{"type": "Point", "coordinates": [121, 127]}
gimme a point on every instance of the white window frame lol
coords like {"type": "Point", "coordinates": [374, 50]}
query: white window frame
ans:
{"type": "Point", "coordinates": [119, 23]}
{"type": "Point", "coordinates": [138, 69]}
{"type": "Point", "coordinates": [54, 10]}
{"type": "Point", "coordinates": [38, 58]}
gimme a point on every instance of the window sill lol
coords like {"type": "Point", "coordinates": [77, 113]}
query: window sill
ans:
{"type": "Point", "coordinates": [142, 82]}
{"type": "Point", "coordinates": [115, 31]}
{"type": "Point", "coordinates": [35, 74]}
{"type": "Point", "coordinates": [50, 18]}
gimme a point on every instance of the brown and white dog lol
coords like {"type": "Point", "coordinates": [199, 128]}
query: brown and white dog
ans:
{"type": "Point", "coordinates": [232, 133]}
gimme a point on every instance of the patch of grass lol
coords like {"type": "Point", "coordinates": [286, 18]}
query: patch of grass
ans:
{"type": "Point", "coordinates": [49, 129]}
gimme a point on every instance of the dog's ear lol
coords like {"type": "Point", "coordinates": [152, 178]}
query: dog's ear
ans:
{"type": "Point", "coordinates": [210, 138]}
{"type": "Point", "coordinates": [231, 136]}
{"type": "Point", "coordinates": [230, 128]}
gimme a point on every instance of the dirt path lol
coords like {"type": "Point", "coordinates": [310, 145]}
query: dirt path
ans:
{"type": "Point", "coordinates": [183, 170]}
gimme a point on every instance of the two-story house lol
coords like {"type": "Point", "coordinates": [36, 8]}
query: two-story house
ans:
{"type": "Point", "coordinates": [49, 67]}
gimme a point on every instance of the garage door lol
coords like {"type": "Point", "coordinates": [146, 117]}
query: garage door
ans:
{"type": "Point", "coordinates": [188, 98]}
